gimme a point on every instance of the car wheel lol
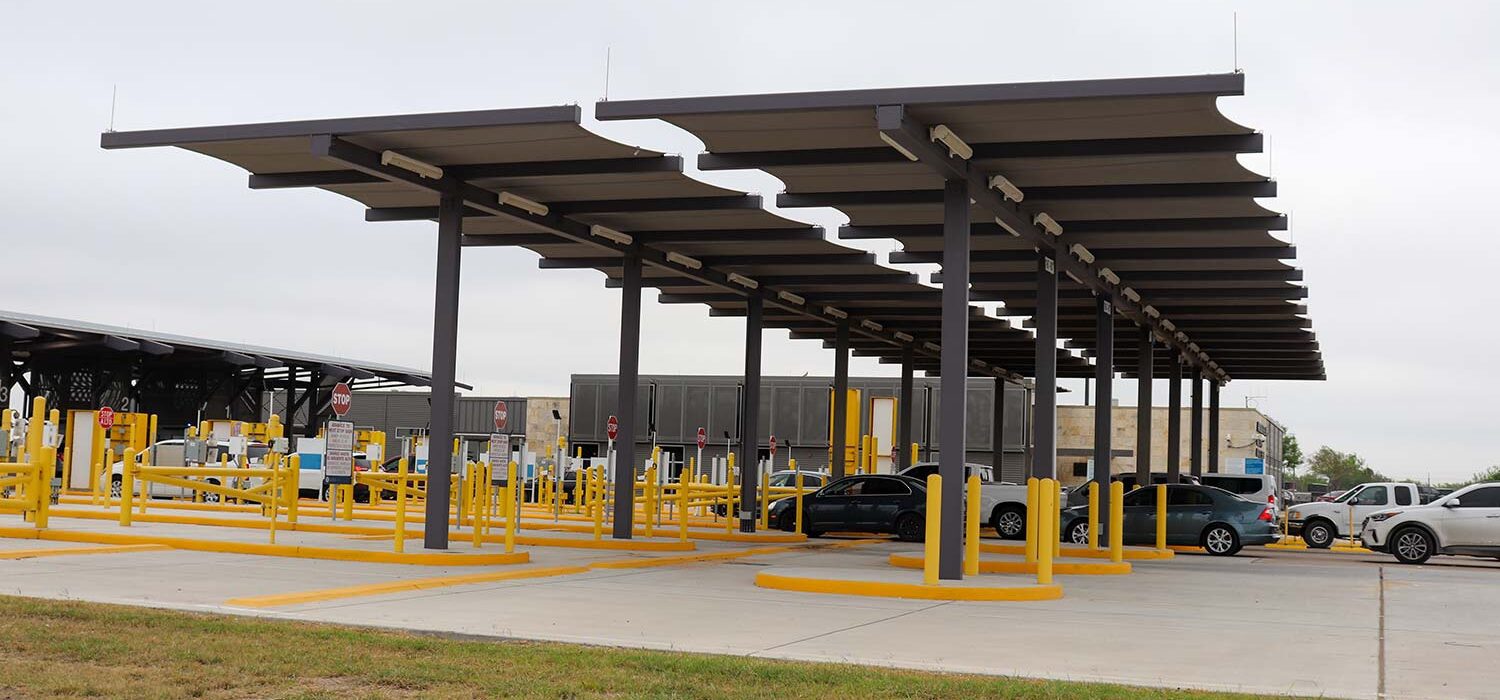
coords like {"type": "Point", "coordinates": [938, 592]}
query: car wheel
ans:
{"type": "Point", "coordinates": [1077, 532]}
{"type": "Point", "coordinates": [209, 497]}
{"type": "Point", "coordinates": [115, 488]}
{"type": "Point", "coordinates": [910, 528]}
{"type": "Point", "coordinates": [1010, 523]}
{"type": "Point", "coordinates": [1221, 540]}
{"type": "Point", "coordinates": [1318, 534]}
{"type": "Point", "coordinates": [1412, 545]}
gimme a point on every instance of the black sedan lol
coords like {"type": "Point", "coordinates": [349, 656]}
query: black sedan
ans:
{"type": "Point", "coordinates": [863, 503]}
{"type": "Point", "coordinates": [1201, 516]}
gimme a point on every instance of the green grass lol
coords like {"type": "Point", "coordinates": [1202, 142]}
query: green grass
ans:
{"type": "Point", "coordinates": [71, 649]}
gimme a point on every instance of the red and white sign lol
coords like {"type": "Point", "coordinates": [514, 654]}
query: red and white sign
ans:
{"type": "Point", "coordinates": [502, 415]}
{"type": "Point", "coordinates": [702, 438]}
{"type": "Point", "coordinates": [106, 417]}
{"type": "Point", "coordinates": [341, 399]}
{"type": "Point", "coordinates": [612, 427]}
{"type": "Point", "coordinates": [773, 445]}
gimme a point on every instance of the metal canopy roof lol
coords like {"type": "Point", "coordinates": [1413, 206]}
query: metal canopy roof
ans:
{"type": "Point", "coordinates": [1141, 172]}
{"type": "Point", "coordinates": [30, 336]}
{"type": "Point", "coordinates": [581, 181]}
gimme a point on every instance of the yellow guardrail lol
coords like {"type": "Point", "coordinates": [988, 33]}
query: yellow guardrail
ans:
{"type": "Point", "coordinates": [26, 484]}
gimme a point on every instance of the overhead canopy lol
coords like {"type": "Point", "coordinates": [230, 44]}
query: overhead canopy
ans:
{"type": "Point", "coordinates": [536, 178]}
{"type": "Point", "coordinates": [1142, 173]}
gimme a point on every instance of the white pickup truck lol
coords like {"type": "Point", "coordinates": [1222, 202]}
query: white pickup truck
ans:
{"type": "Point", "coordinates": [1003, 504]}
{"type": "Point", "coordinates": [1321, 522]}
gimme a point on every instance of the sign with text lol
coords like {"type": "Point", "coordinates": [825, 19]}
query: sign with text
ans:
{"type": "Point", "coordinates": [338, 452]}
{"type": "Point", "coordinates": [340, 399]}
{"type": "Point", "coordinates": [502, 415]}
{"type": "Point", "coordinates": [612, 427]}
{"type": "Point", "coordinates": [499, 452]}
{"type": "Point", "coordinates": [106, 417]}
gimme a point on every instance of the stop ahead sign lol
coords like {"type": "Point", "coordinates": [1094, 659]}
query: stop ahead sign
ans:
{"type": "Point", "coordinates": [341, 399]}
{"type": "Point", "coordinates": [502, 415]}
{"type": "Point", "coordinates": [106, 417]}
{"type": "Point", "coordinates": [612, 427]}
{"type": "Point", "coordinates": [702, 438]}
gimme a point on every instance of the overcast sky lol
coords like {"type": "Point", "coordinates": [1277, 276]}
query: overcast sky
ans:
{"type": "Point", "coordinates": [1380, 117]}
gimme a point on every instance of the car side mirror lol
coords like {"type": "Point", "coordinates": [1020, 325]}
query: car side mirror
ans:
{"type": "Point", "coordinates": [1451, 503]}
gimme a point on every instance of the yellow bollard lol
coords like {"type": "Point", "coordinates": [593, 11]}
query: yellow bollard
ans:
{"type": "Point", "coordinates": [578, 491]}
{"type": "Point", "coordinates": [127, 486]}
{"type": "Point", "coordinates": [913, 459]}
{"type": "Point", "coordinates": [476, 517]}
{"type": "Point", "coordinates": [683, 483]}
{"type": "Point", "coordinates": [971, 527]}
{"type": "Point", "coordinates": [1093, 515]}
{"type": "Point", "coordinates": [648, 493]}
{"type": "Point", "coordinates": [1116, 522]}
{"type": "Point", "coordinates": [294, 473]}
{"type": "Point", "coordinates": [1033, 506]}
{"type": "Point", "coordinates": [933, 531]}
{"type": "Point", "coordinates": [1044, 527]}
{"type": "Point", "coordinates": [1161, 516]}
{"type": "Point", "coordinates": [797, 477]}
{"type": "Point", "coordinates": [348, 490]}
{"type": "Point", "coordinates": [1056, 514]}
{"type": "Point", "coordinates": [765, 498]}
{"type": "Point", "coordinates": [512, 512]}
{"type": "Point", "coordinates": [729, 493]}
{"type": "Point", "coordinates": [45, 464]}
{"type": "Point", "coordinates": [275, 482]}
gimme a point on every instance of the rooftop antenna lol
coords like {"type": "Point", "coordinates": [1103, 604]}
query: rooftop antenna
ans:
{"type": "Point", "coordinates": [1236, 41]}
{"type": "Point", "coordinates": [114, 92]}
{"type": "Point", "coordinates": [607, 51]}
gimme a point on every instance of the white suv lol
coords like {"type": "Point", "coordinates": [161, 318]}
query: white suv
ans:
{"type": "Point", "coordinates": [1465, 522]}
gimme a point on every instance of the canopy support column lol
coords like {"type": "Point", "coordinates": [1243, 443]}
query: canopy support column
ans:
{"type": "Point", "coordinates": [1104, 362]}
{"type": "Point", "coordinates": [902, 448]}
{"type": "Point", "coordinates": [839, 445]}
{"type": "Point", "coordinates": [750, 416]}
{"type": "Point", "coordinates": [1213, 426]}
{"type": "Point", "coordinates": [1174, 423]}
{"type": "Point", "coordinates": [1044, 413]}
{"type": "Point", "coordinates": [1147, 352]}
{"type": "Point", "coordinates": [997, 432]}
{"type": "Point", "coordinates": [444, 366]}
{"type": "Point", "coordinates": [629, 378]}
{"type": "Point", "coordinates": [954, 362]}
{"type": "Point", "coordinates": [1195, 423]}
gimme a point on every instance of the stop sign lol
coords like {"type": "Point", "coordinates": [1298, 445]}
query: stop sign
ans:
{"type": "Point", "coordinates": [502, 415]}
{"type": "Point", "coordinates": [106, 417]}
{"type": "Point", "coordinates": [773, 445]}
{"type": "Point", "coordinates": [612, 427]}
{"type": "Point", "coordinates": [341, 399]}
{"type": "Point", "coordinates": [702, 438]}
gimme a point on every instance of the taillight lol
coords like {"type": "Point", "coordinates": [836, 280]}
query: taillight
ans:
{"type": "Point", "coordinates": [1266, 515]}
{"type": "Point", "coordinates": [1271, 499]}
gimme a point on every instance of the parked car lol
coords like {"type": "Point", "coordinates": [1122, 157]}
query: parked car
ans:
{"type": "Point", "coordinates": [1201, 516]}
{"type": "Point", "coordinates": [1255, 487]}
{"type": "Point", "coordinates": [1079, 495]}
{"type": "Point", "coordinates": [1003, 505]}
{"type": "Point", "coordinates": [812, 480]}
{"type": "Point", "coordinates": [861, 503]}
{"type": "Point", "coordinates": [1321, 522]}
{"type": "Point", "coordinates": [170, 453]}
{"type": "Point", "coordinates": [1330, 496]}
{"type": "Point", "coordinates": [1465, 522]}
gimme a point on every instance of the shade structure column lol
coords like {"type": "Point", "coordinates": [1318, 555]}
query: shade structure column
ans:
{"type": "Point", "coordinates": [902, 448]}
{"type": "Point", "coordinates": [1147, 360]}
{"type": "Point", "coordinates": [954, 362]}
{"type": "Point", "coordinates": [1213, 426]}
{"type": "Point", "coordinates": [1104, 362]}
{"type": "Point", "coordinates": [997, 431]}
{"type": "Point", "coordinates": [444, 366]}
{"type": "Point", "coordinates": [750, 416]}
{"type": "Point", "coordinates": [1174, 423]}
{"type": "Point", "coordinates": [838, 444]}
{"type": "Point", "coordinates": [1195, 424]}
{"type": "Point", "coordinates": [629, 377]}
{"type": "Point", "coordinates": [1044, 411]}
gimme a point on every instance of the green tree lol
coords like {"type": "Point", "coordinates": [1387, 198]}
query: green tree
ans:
{"type": "Point", "coordinates": [1291, 455]}
{"type": "Point", "coordinates": [1342, 469]}
{"type": "Point", "coordinates": [1491, 474]}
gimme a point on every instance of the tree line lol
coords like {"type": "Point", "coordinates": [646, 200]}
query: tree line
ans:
{"type": "Point", "coordinates": [1343, 470]}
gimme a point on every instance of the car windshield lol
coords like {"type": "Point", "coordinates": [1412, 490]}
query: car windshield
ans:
{"type": "Point", "coordinates": [1242, 485]}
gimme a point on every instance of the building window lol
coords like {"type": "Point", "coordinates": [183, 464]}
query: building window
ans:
{"type": "Point", "coordinates": [1080, 469]}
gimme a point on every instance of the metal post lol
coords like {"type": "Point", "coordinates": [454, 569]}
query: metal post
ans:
{"type": "Point", "coordinates": [902, 448]}
{"type": "Point", "coordinates": [1147, 360]}
{"type": "Point", "coordinates": [750, 417]}
{"type": "Point", "coordinates": [1174, 423]}
{"type": "Point", "coordinates": [444, 361]}
{"type": "Point", "coordinates": [315, 387]}
{"type": "Point", "coordinates": [839, 444]}
{"type": "Point", "coordinates": [1195, 424]}
{"type": "Point", "coordinates": [629, 378]}
{"type": "Point", "coordinates": [1104, 362]}
{"type": "Point", "coordinates": [1044, 415]}
{"type": "Point", "coordinates": [288, 416]}
{"type": "Point", "coordinates": [955, 376]}
{"type": "Point", "coordinates": [997, 432]}
{"type": "Point", "coordinates": [1213, 426]}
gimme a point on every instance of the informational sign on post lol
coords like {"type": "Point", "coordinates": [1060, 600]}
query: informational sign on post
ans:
{"type": "Point", "coordinates": [612, 427]}
{"type": "Point", "coordinates": [338, 452]}
{"type": "Point", "coordinates": [106, 417]}
{"type": "Point", "coordinates": [499, 451]}
{"type": "Point", "coordinates": [702, 438]}
{"type": "Point", "coordinates": [502, 415]}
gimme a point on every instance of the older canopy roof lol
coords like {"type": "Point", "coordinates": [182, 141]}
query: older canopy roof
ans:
{"type": "Point", "coordinates": [1140, 172]}
{"type": "Point", "coordinates": [572, 181]}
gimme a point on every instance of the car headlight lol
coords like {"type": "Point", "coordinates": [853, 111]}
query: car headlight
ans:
{"type": "Point", "coordinates": [1384, 515]}
{"type": "Point", "coordinates": [1294, 514]}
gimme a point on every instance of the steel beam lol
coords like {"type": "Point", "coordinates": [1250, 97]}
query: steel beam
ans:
{"type": "Point", "coordinates": [620, 206]}
{"type": "Point", "coordinates": [444, 367]}
{"type": "Point", "coordinates": [750, 421]}
{"type": "Point", "coordinates": [838, 444]}
{"type": "Point", "coordinates": [629, 378]}
{"type": "Point", "coordinates": [1035, 194]}
{"type": "Point", "coordinates": [955, 373]}
{"type": "Point", "coordinates": [902, 448]}
{"type": "Point", "coordinates": [1104, 410]}
{"type": "Point", "coordinates": [1044, 414]}
{"type": "Point", "coordinates": [1174, 421]}
{"type": "Point", "coordinates": [1270, 252]}
{"type": "Point", "coordinates": [997, 432]}
{"type": "Point", "coordinates": [1146, 351]}
{"type": "Point", "coordinates": [1195, 424]}
{"type": "Point", "coordinates": [1213, 426]}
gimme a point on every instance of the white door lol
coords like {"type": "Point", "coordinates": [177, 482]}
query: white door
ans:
{"type": "Point", "coordinates": [883, 429]}
{"type": "Point", "coordinates": [1475, 521]}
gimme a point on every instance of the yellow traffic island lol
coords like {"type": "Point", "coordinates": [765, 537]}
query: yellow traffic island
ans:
{"type": "Point", "coordinates": [915, 560]}
{"type": "Point", "coordinates": [1077, 552]}
{"type": "Point", "coordinates": [1349, 547]}
{"type": "Point", "coordinates": [1289, 543]}
{"type": "Point", "coordinates": [891, 583]}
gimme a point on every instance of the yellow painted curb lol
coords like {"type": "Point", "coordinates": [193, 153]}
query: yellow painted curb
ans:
{"type": "Point", "coordinates": [994, 566]}
{"type": "Point", "coordinates": [1345, 549]}
{"type": "Point", "coordinates": [1073, 551]}
{"type": "Point", "coordinates": [369, 589]}
{"type": "Point", "coordinates": [1187, 549]}
{"type": "Point", "coordinates": [274, 550]}
{"type": "Point", "coordinates": [687, 559]}
{"type": "Point", "coordinates": [1289, 546]}
{"type": "Point", "coordinates": [58, 551]}
{"type": "Point", "coordinates": [889, 589]}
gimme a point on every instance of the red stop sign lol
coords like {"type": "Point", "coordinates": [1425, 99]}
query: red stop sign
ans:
{"type": "Point", "coordinates": [702, 438]}
{"type": "Point", "coordinates": [341, 399]}
{"type": "Point", "coordinates": [612, 427]}
{"type": "Point", "coordinates": [773, 445]}
{"type": "Point", "coordinates": [106, 417]}
{"type": "Point", "coordinates": [502, 415]}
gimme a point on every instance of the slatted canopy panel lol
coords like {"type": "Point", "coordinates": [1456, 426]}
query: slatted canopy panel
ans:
{"type": "Point", "coordinates": [1143, 173]}
{"type": "Point", "coordinates": [570, 181]}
